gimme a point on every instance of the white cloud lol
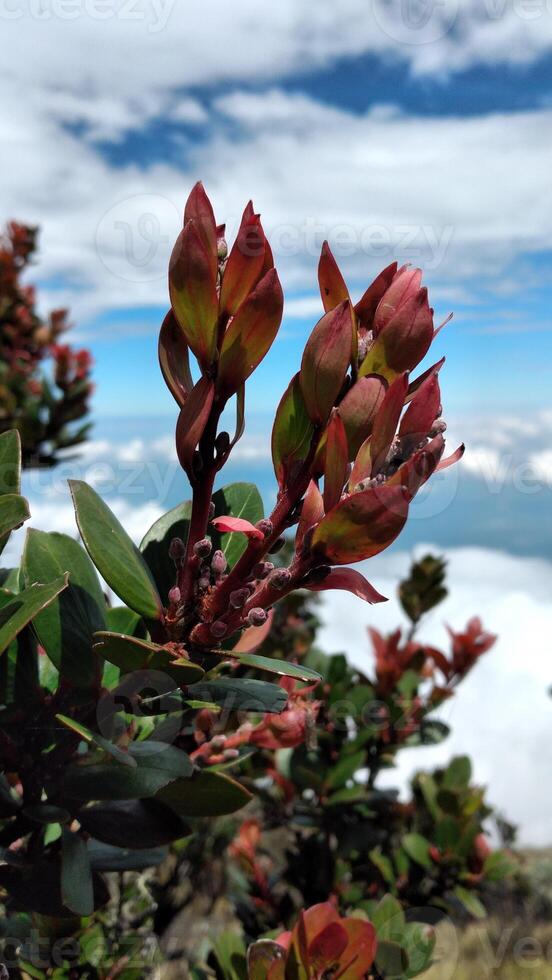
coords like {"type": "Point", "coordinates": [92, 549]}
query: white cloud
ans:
{"type": "Point", "coordinates": [501, 714]}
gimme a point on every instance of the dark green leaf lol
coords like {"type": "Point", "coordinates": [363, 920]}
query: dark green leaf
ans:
{"type": "Point", "coordinates": [105, 857]}
{"type": "Point", "coordinates": [140, 824]}
{"type": "Point", "coordinates": [77, 890]}
{"type": "Point", "coordinates": [14, 511]}
{"type": "Point", "coordinates": [417, 848]}
{"type": "Point", "coordinates": [120, 619]}
{"type": "Point", "coordinates": [19, 611]}
{"type": "Point", "coordinates": [241, 694]}
{"type": "Point", "coordinates": [113, 553]}
{"type": "Point", "coordinates": [125, 758]}
{"type": "Point", "coordinates": [206, 794]}
{"type": "Point", "coordinates": [158, 764]}
{"type": "Point", "coordinates": [65, 628]}
{"type": "Point", "coordinates": [10, 462]}
{"type": "Point", "coordinates": [458, 773]}
{"type": "Point", "coordinates": [274, 666]}
{"type": "Point", "coordinates": [155, 545]}
{"type": "Point", "coordinates": [130, 653]}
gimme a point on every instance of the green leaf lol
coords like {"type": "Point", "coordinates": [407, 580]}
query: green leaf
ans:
{"type": "Point", "coordinates": [292, 432]}
{"type": "Point", "coordinates": [25, 606]}
{"type": "Point", "coordinates": [158, 765]}
{"type": "Point", "coordinates": [139, 824]}
{"type": "Point", "coordinates": [120, 619]}
{"type": "Point", "coordinates": [417, 848]}
{"type": "Point", "coordinates": [105, 857]}
{"type": "Point", "coordinates": [155, 545]}
{"type": "Point", "coordinates": [458, 773]}
{"type": "Point", "coordinates": [499, 865]}
{"type": "Point", "coordinates": [77, 890]}
{"type": "Point", "coordinates": [125, 758]}
{"type": "Point", "coordinates": [229, 949]}
{"type": "Point", "coordinates": [206, 794]}
{"type": "Point", "coordinates": [470, 902]}
{"type": "Point", "coordinates": [345, 768]}
{"type": "Point", "coordinates": [388, 919]}
{"type": "Point", "coordinates": [383, 864]}
{"type": "Point", "coordinates": [130, 653]}
{"type": "Point", "coordinates": [240, 500]}
{"type": "Point", "coordinates": [241, 694]}
{"type": "Point", "coordinates": [10, 462]}
{"type": "Point", "coordinates": [113, 553]}
{"type": "Point", "coordinates": [274, 666]}
{"type": "Point", "coordinates": [65, 628]}
{"type": "Point", "coordinates": [391, 959]}
{"type": "Point", "coordinates": [14, 511]}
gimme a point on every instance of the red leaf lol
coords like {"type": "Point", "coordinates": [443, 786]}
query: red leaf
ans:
{"type": "Point", "coordinates": [407, 336]}
{"type": "Point", "coordinates": [251, 333]}
{"type": "Point", "coordinates": [454, 458]}
{"type": "Point", "coordinates": [366, 306]}
{"type": "Point", "coordinates": [362, 466]}
{"type": "Point", "coordinates": [358, 410]}
{"type": "Point", "coordinates": [325, 361]}
{"type": "Point", "coordinates": [199, 210]}
{"type": "Point", "coordinates": [418, 382]}
{"type": "Point", "coordinates": [174, 359]}
{"type": "Point", "coordinates": [245, 262]}
{"type": "Point", "coordinates": [348, 580]}
{"type": "Point", "coordinates": [317, 918]}
{"type": "Point", "coordinates": [417, 470]}
{"type": "Point", "coordinates": [386, 421]}
{"type": "Point", "coordinates": [404, 286]}
{"type": "Point", "coordinates": [327, 947]}
{"type": "Point", "coordinates": [231, 524]}
{"type": "Point", "coordinates": [336, 468]}
{"type": "Point", "coordinates": [361, 949]}
{"type": "Point", "coordinates": [193, 292]}
{"type": "Point", "coordinates": [312, 512]}
{"type": "Point", "coordinates": [362, 525]}
{"type": "Point", "coordinates": [333, 288]}
{"type": "Point", "coordinates": [424, 408]}
{"type": "Point", "coordinates": [192, 421]}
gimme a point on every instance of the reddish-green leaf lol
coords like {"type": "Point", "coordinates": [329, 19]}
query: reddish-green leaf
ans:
{"type": "Point", "coordinates": [333, 288]}
{"type": "Point", "coordinates": [386, 422]}
{"type": "Point", "coordinates": [349, 580]}
{"type": "Point", "coordinates": [130, 653]}
{"type": "Point", "coordinates": [292, 433]}
{"type": "Point", "coordinates": [359, 408]}
{"type": "Point", "coordinates": [325, 362]}
{"type": "Point", "coordinates": [199, 210]}
{"type": "Point", "coordinates": [250, 334]}
{"type": "Point", "coordinates": [362, 525]}
{"type": "Point", "coordinates": [336, 469]}
{"type": "Point", "coordinates": [193, 292]}
{"type": "Point", "coordinates": [174, 359]}
{"type": "Point", "coordinates": [192, 421]}
{"type": "Point", "coordinates": [366, 306]}
{"type": "Point", "coordinates": [245, 263]}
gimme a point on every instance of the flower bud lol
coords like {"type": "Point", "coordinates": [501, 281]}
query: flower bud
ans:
{"type": "Point", "coordinates": [256, 617]}
{"type": "Point", "coordinates": [265, 526]}
{"type": "Point", "coordinates": [238, 598]}
{"type": "Point", "coordinates": [218, 629]}
{"type": "Point", "coordinates": [262, 569]}
{"type": "Point", "coordinates": [177, 550]}
{"type": "Point", "coordinates": [174, 595]}
{"type": "Point", "coordinates": [218, 563]}
{"type": "Point", "coordinates": [279, 578]}
{"type": "Point", "coordinates": [203, 548]}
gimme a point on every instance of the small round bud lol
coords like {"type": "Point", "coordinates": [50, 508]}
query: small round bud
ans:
{"type": "Point", "coordinates": [222, 443]}
{"type": "Point", "coordinates": [277, 546]}
{"type": "Point", "coordinates": [256, 617]}
{"type": "Point", "coordinates": [279, 578]}
{"type": "Point", "coordinates": [204, 582]}
{"type": "Point", "coordinates": [262, 569]}
{"type": "Point", "coordinates": [203, 548]}
{"type": "Point", "coordinates": [174, 595]}
{"type": "Point", "coordinates": [238, 598]}
{"type": "Point", "coordinates": [177, 549]}
{"type": "Point", "coordinates": [218, 628]}
{"type": "Point", "coordinates": [439, 426]}
{"type": "Point", "coordinates": [265, 526]}
{"type": "Point", "coordinates": [218, 563]}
